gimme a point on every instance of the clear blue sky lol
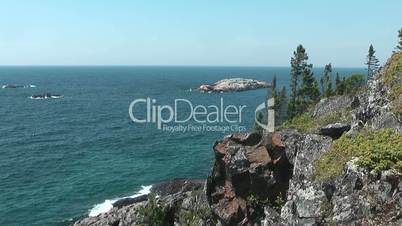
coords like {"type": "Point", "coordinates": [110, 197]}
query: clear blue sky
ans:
{"type": "Point", "coordinates": [170, 32]}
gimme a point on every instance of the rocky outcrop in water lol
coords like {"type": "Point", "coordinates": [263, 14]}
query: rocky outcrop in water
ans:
{"type": "Point", "coordinates": [233, 85]}
{"type": "Point", "coordinates": [177, 202]}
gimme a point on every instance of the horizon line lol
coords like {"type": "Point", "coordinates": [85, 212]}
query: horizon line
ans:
{"type": "Point", "coordinates": [155, 65]}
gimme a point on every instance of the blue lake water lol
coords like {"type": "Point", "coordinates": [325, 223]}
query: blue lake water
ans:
{"type": "Point", "coordinates": [60, 157]}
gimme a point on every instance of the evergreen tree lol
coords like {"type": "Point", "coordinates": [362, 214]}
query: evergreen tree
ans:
{"type": "Point", "coordinates": [275, 95]}
{"type": "Point", "coordinates": [372, 62]}
{"type": "Point", "coordinates": [281, 114]}
{"type": "Point", "coordinates": [326, 81]}
{"type": "Point", "coordinates": [283, 93]}
{"type": "Point", "coordinates": [399, 46]}
{"type": "Point", "coordinates": [338, 84]}
{"type": "Point", "coordinates": [309, 90]}
{"type": "Point", "coordinates": [280, 100]}
{"type": "Point", "coordinates": [273, 84]}
{"type": "Point", "coordinates": [304, 87]}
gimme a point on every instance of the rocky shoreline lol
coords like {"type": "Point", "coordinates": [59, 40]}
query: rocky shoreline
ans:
{"type": "Point", "coordinates": [233, 85]}
{"type": "Point", "coordinates": [271, 178]}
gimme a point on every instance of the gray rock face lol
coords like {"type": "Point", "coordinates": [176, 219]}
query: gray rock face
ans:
{"type": "Point", "coordinates": [335, 130]}
{"type": "Point", "coordinates": [305, 196]}
{"type": "Point", "coordinates": [234, 85]}
{"type": "Point", "coordinates": [366, 198]}
{"type": "Point", "coordinates": [356, 197]}
{"type": "Point", "coordinates": [127, 215]}
{"type": "Point", "coordinates": [372, 108]}
{"type": "Point", "coordinates": [272, 218]}
{"type": "Point", "coordinates": [331, 104]}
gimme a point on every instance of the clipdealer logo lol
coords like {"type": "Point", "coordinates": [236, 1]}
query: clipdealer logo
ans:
{"type": "Point", "coordinates": [172, 118]}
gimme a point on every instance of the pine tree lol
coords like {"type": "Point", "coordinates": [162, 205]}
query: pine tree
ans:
{"type": "Point", "coordinates": [275, 95]}
{"type": "Point", "coordinates": [399, 46]}
{"type": "Point", "coordinates": [338, 84]}
{"type": "Point", "coordinates": [273, 84]}
{"type": "Point", "coordinates": [280, 100]}
{"type": "Point", "coordinates": [326, 81]}
{"type": "Point", "coordinates": [295, 74]}
{"type": "Point", "coordinates": [304, 87]}
{"type": "Point", "coordinates": [372, 62]}
{"type": "Point", "coordinates": [281, 114]}
{"type": "Point", "coordinates": [309, 90]}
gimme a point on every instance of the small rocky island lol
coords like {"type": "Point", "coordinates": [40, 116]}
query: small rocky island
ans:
{"type": "Point", "coordinates": [233, 85]}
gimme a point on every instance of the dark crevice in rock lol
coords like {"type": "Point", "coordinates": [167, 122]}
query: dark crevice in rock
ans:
{"type": "Point", "coordinates": [329, 189]}
{"type": "Point", "coordinates": [115, 223]}
{"type": "Point", "coordinates": [358, 184]}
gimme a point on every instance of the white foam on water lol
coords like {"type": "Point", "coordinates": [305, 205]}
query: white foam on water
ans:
{"type": "Point", "coordinates": [45, 97]}
{"type": "Point", "coordinates": [107, 205]}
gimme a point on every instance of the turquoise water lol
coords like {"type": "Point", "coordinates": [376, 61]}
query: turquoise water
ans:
{"type": "Point", "coordinates": [60, 157]}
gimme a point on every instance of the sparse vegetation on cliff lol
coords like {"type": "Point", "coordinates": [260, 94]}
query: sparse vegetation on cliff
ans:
{"type": "Point", "coordinates": [393, 79]}
{"type": "Point", "coordinates": [152, 212]}
{"type": "Point", "coordinates": [376, 150]}
{"type": "Point", "coordinates": [306, 124]}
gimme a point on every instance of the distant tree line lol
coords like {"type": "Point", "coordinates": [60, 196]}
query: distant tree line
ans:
{"type": "Point", "coordinates": [304, 88]}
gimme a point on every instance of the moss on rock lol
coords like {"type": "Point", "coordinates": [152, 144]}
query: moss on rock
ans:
{"type": "Point", "coordinates": [377, 150]}
{"type": "Point", "coordinates": [393, 79]}
{"type": "Point", "coordinates": [304, 123]}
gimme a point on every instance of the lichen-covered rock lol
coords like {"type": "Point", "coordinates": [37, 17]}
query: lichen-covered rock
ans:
{"type": "Point", "coordinates": [367, 198]}
{"type": "Point", "coordinates": [127, 215]}
{"type": "Point", "coordinates": [331, 105]}
{"type": "Point", "coordinates": [272, 218]}
{"type": "Point", "coordinates": [306, 196]}
{"type": "Point", "coordinates": [372, 108]}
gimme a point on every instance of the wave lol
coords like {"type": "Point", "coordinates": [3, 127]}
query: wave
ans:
{"type": "Point", "coordinates": [108, 203]}
{"type": "Point", "coordinates": [17, 86]}
{"type": "Point", "coordinates": [45, 97]}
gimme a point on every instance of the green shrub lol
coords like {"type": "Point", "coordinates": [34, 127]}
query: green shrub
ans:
{"type": "Point", "coordinates": [393, 71]}
{"type": "Point", "coordinates": [377, 150]}
{"type": "Point", "coordinates": [278, 203]}
{"type": "Point", "coordinates": [304, 123]}
{"type": "Point", "coordinates": [192, 218]}
{"type": "Point", "coordinates": [152, 212]}
{"type": "Point", "coordinates": [326, 209]}
{"type": "Point", "coordinates": [258, 204]}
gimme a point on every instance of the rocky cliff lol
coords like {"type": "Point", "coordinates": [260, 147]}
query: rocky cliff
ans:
{"type": "Point", "coordinates": [342, 166]}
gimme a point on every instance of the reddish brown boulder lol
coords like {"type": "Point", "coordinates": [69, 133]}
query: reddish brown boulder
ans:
{"type": "Point", "coordinates": [246, 165]}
